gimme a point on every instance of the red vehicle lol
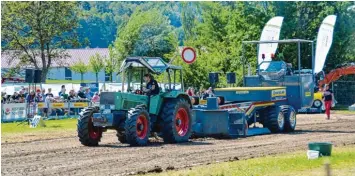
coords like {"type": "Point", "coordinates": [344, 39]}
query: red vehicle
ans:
{"type": "Point", "coordinates": [345, 69]}
{"type": "Point", "coordinates": [12, 80]}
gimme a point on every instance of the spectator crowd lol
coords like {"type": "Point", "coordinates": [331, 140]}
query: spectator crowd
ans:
{"type": "Point", "coordinates": [25, 96]}
{"type": "Point", "coordinates": [83, 95]}
{"type": "Point", "coordinates": [202, 93]}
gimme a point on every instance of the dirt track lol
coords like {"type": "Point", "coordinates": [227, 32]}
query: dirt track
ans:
{"type": "Point", "coordinates": [68, 157]}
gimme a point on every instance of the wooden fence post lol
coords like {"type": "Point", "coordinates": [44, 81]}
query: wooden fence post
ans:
{"type": "Point", "coordinates": [327, 168]}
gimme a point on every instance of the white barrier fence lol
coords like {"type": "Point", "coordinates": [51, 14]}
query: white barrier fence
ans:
{"type": "Point", "coordinates": [13, 112]}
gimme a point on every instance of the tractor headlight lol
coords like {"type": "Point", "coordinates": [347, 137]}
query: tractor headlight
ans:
{"type": "Point", "coordinates": [102, 106]}
{"type": "Point", "coordinates": [112, 107]}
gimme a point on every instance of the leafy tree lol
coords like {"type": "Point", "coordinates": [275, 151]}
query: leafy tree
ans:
{"type": "Point", "coordinates": [96, 64]}
{"type": "Point", "coordinates": [307, 17]}
{"type": "Point", "coordinates": [190, 15]}
{"type": "Point", "coordinates": [217, 39]}
{"type": "Point", "coordinates": [36, 33]}
{"type": "Point", "coordinates": [218, 34]}
{"type": "Point", "coordinates": [81, 68]}
{"type": "Point", "coordinates": [98, 28]}
{"type": "Point", "coordinates": [111, 63]}
{"type": "Point", "coordinates": [11, 72]}
{"type": "Point", "coordinates": [147, 33]}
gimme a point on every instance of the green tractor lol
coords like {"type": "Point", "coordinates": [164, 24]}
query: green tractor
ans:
{"type": "Point", "coordinates": [134, 115]}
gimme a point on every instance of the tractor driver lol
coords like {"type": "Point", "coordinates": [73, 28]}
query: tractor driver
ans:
{"type": "Point", "coordinates": [152, 87]}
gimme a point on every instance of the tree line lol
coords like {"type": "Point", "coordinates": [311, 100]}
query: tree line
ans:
{"type": "Point", "coordinates": [214, 29]}
{"type": "Point", "coordinates": [96, 64]}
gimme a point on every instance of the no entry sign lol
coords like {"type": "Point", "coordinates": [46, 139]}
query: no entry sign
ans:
{"type": "Point", "coordinates": [188, 55]}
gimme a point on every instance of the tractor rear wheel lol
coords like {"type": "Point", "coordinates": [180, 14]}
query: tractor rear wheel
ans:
{"type": "Point", "coordinates": [137, 127]}
{"type": "Point", "coordinates": [121, 137]}
{"type": "Point", "coordinates": [275, 119]}
{"type": "Point", "coordinates": [177, 121]}
{"type": "Point", "coordinates": [290, 119]}
{"type": "Point", "coordinates": [88, 134]}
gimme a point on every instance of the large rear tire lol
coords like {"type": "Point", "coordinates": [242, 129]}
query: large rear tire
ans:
{"type": "Point", "coordinates": [87, 133]}
{"type": "Point", "coordinates": [275, 119]}
{"type": "Point", "coordinates": [177, 121]}
{"type": "Point", "coordinates": [121, 137]}
{"type": "Point", "coordinates": [290, 119]}
{"type": "Point", "coordinates": [137, 127]}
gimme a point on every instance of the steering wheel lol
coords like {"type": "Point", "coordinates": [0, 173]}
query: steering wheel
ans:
{"type": "Point", "coordinates": [139, 92]}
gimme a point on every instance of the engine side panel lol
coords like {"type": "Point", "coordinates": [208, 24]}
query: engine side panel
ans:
{"type": "Point", "coordinates": [299, 89]}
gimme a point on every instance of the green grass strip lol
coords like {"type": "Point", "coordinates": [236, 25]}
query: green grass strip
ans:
{"type": "Point", "coordinates": [342, 163]}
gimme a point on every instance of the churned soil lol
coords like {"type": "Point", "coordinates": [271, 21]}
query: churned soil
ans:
{"type": "Point", "coordinates": [60, 155]}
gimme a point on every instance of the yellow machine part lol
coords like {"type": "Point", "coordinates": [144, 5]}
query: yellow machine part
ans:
{"type": "Point", "coordinates": [202, 102]}
{"type": "Point", "coordinates": [248, 88]}
{"type": "Point", "coordinates": [317, 96]}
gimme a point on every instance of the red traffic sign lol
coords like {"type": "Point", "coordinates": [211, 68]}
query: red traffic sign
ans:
{"type": "Point", "coordinates": [188, 54]}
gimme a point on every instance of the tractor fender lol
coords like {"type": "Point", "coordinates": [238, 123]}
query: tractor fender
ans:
{"type": "Point", "coordinates": [185, 97]}
{"type": "Point", "coordinates": [178, 95]}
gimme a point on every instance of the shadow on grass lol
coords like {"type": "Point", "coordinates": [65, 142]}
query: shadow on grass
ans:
{"type": "Point", "coordinates": [55, 126]}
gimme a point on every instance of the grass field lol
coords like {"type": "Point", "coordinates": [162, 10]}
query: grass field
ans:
{"type": "Point", "coordinates": [296, 164]}
{"type": "Point", "coordinates": [17, 132]}
{"type": "Point", "coordinates": [343, 112]}
{"type": "Point", "coordinates": [51, 125]}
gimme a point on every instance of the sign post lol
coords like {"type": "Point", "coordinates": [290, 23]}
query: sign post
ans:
{"type": "Point", "coordinates": [188, 55]}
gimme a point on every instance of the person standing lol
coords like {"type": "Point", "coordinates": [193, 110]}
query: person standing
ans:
{"type": "Point", "coordinates": [328, 98]}
{"type": "Point", "coordinates": [209, 93]}
{"type": "Point", "coordinates": [39, 96]}
{"type": "Point", "coordinates": [96, 98]}
{"type": "Point", "coordinates": [191, 91]}
{"type": "Point", "coordinates": [31, 101]}
{"type": "Point", "coordinates": [15, 97]}
{"type": "Point", "coordinates": [62, 90]}
{"type": "Point", "coordinates": [71, 96]}
{"type": "Point", "coordinates": [81, 93]}
{"type": "Point", "coordinates": [88, 93]}
{"type": "Point", "coordinates": [48, 110]}
{"type": "Point", "coordinates": [49, 93]}
{"type": "Point", "coordinates": [3, 97]}
{"type": "Point", "coordinates": [21, 97]}
{"type": "Point", "coordinates": [63, 94]}
{"type": "Point", "coordinates": [43, 94]}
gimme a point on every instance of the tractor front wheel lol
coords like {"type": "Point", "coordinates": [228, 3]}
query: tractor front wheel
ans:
{"type": "Point", "coordinates": [177, 121]}
{"type": "Point", "coordinates": [290, 119]}
{"type": "Point", "coordinates": [88, 134]}
{"type": "Point", "coordinates": [137, 127]}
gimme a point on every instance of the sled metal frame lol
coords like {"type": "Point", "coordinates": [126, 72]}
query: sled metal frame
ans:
{"type": "Point", "coordinates": [286, 41]}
